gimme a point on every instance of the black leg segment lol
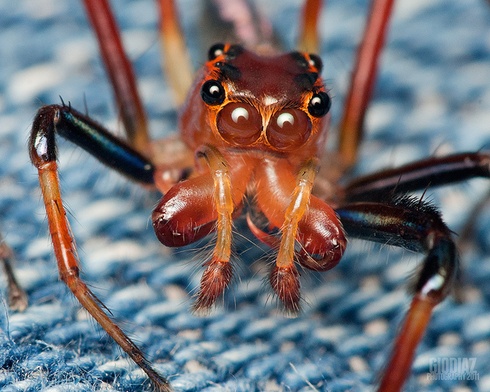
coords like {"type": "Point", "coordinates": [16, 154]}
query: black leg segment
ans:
{"type": "Point", "coordinates": [91, 136]}
{"type": "Point", "coordinates": [419, 176]}
{"type": "Point", "coordinates": [412, 224]}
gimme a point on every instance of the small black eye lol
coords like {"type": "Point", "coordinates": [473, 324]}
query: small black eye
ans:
{"type": "Point", "coordinates": [215, 51]}
{"type": "Point", "coordinates": [300, 59]}
{"type": "Point", "coordinates": [319, 104]}
{"type": "Point", "coordinates": [234, 51]}
{"type": "Point", "coordinates": [316, 61]}
{"type": "Point", "coordinates": [212, 92]}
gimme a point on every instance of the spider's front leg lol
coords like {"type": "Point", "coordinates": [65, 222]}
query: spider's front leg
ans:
{"type": "Point", "coordinates": [310, 231]}
{"type": "Point", "coordinates": [415, 225]}
{"type": "Point", "coordinates": [84, 132]}
{"type": "Point", "coordinates": [420, 175]}
{"type": "Point", "coordinates": [200, 205]}
{"type": "Point", "coordinates": [404, 221]}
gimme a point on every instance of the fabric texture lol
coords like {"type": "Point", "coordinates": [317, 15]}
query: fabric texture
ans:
{"type": "Point", "coordinates": [432, 97]}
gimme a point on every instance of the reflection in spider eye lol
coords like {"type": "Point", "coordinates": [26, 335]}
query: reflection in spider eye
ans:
{"type": "Point", "coordinates": [285, 119]}
{"type": "Point", "coordinates": [319, 104]}
{"type": "Point", "coordinates": [288, 129]}
{"type": "Point", "coordinates": [238, 113]}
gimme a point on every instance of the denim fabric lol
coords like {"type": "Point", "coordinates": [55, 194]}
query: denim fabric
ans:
{"type": "Point", "coordinates": [432, 97]}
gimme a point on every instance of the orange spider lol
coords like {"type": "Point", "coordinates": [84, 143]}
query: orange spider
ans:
{"type": "Point", "coordinates": [253, 130]}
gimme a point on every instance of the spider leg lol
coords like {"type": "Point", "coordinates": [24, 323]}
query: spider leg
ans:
{"type": "Point", "coordinates": [202, 204]}
{"type": "Point", "coordinates": [218, 273]}
{"type": "Point", "coordinates": [17, 296]}
{"type": "Point", "coordinates": [420, 175]}
{"type": "Point", "coordinates": [308, 39]}
{"type": "Point", "coordinates": [418, 226]}
{"type": "Point", "coordinates": [172, 166]}
{"type": "Point", "coordinates": [363, 79]}
{"type": "Point", "coordinates": [175, 57]}
{"type": "Point", "coordinates": [92, 137]}
{"type": "Point", "coordinates": [120, 72]}
{"type": "Point", "coordinates": [284, 277]}
{"type": "Point", "coordinates": [310, 230]}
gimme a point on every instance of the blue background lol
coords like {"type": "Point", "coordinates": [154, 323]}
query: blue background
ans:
{"type": "Point", "coordinates": [433, 97]}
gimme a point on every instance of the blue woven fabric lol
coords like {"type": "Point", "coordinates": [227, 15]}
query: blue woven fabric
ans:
{"type": "Point", "coordinates": [433, 96]}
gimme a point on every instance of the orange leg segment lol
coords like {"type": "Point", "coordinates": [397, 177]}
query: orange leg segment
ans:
{"type": "Point", "coordinates": [363, 79]}
{"type": "Point", "coordinates": [120, 72]}
{"type": "Point", "coordinates": [176, 60]}
{"type": "Point", "coordinates": [409, 337]}
{"type": "Point", "coordinates": [218, 273]}
{"type": "Point", "coordinates": [284, 276]}
{"type": "Point", "coordinates": [308, 40]}
{"type": "Point", "coordinates": [43, 155]}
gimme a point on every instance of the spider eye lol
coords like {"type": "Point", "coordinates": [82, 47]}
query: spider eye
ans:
{"type": "Point", "coordinates": [316, 61]}
{"type": "Point", "coordinates": [319, 104]}
{"type": "Point", "coordinates": [239, 123]}
{"type": "Point", "coordinates": [215, 51]}
{"type": "Point", "coordinates": [212, 92]}
{"type": "Point", "coordinates": [288, 129]}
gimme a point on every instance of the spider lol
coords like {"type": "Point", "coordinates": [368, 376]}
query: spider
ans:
{"type": "Point", "coordinates": [291, 300]}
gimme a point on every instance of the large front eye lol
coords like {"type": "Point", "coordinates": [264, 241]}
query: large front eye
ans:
{"type": "Point", "coordinates": [212, 92]}
{"type": "Point", "coordinates": [288, 129]}
{"type": "Point", "coordinates": [239, 123]}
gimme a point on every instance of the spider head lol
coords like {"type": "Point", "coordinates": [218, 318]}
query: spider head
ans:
{"type": "Point", "coordinates": [248, 101]}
